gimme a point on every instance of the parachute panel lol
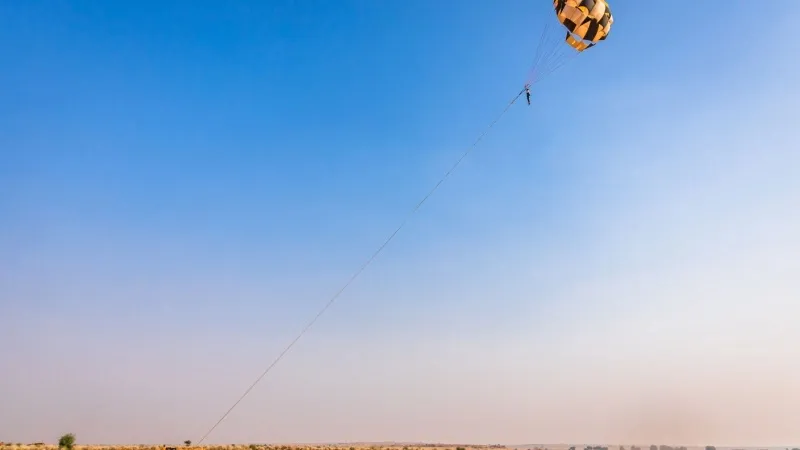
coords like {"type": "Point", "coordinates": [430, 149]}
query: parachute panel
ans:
{"type": "Point", "coordinates": [587, 21]}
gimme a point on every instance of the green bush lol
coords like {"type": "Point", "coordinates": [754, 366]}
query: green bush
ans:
{"type": "Point", "coordinates": [66, 441]}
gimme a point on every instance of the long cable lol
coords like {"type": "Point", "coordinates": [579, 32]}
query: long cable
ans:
{"type": "Point", "coordinates": [363, 266]}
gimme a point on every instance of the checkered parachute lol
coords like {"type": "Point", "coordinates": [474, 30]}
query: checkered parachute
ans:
{"type": "Point", "coordinates": [586, 23]}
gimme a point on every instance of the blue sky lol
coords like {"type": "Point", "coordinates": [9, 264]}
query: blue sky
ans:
{"type": "Point", "coordinates": [185, 184]}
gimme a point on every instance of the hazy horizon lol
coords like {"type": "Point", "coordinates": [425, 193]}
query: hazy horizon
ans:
{"type": "Point", "coordinates": [393, 444]}
{"type": "Point", "coordinates": [184, 184]}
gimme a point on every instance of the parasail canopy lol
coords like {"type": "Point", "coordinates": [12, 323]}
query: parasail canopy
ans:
{"type": "Point", "coordinates": [587, 21]}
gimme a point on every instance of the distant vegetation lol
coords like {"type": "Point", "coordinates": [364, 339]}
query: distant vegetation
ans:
{"type": "Point", "coordinates": [66, 442]}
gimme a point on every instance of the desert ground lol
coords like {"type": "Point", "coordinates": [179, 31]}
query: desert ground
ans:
{"type": "Point", "coordinates": [370, 446]}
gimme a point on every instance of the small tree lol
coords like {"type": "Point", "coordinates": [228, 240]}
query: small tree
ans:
{"type": "Point", "coordinates": [187, 442]}
{"type": "Point", "coordinates": [66, 441]}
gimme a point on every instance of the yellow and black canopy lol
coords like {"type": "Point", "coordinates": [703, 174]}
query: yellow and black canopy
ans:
{"type": "Point", "coordinates": [587, 21]}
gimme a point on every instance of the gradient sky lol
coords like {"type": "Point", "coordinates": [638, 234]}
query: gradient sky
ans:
{"type": "Point", "coordinates": [184, 184]}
